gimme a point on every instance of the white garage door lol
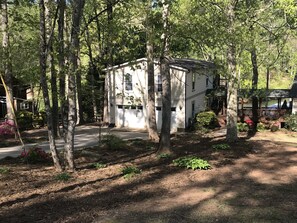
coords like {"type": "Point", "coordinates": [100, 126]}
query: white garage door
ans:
{"type": "Point", "coordinates": [130, 117]}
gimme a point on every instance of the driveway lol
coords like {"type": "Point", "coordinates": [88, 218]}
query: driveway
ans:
{"type": "Point", "coordinates": [85, 136]}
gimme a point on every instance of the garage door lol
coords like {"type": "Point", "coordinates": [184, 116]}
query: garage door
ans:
{"type": "Point", "coordinates": [130, 117]}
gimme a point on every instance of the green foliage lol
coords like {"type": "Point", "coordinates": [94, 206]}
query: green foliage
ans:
{"type": "Point", "coordinates": [291, 122]}
{"type": "Point", "coordinates": [24, 119]}
{"type": "Point", "coordinates": [192, 162]}
{"type": "Point", "coordinates": [35, 155]}
{"type": "Point", "coordinates": [274, 128]}
{"type": "Point", "coordinates": [164, 156]}
{"type": "Point", "coordinates": [242, 127]}
{"type": "Point", "coordinates": [4, 170]}
{"type": "Point", "coordinates": [39, 120]}
{"type": "Point", "coordinates": [99, 165]}
{"type": "Point", "coordinates": [130, 171]}
{"type": "Point", "coordinates": [63, 177]}
{"type": "Point", "coordinates": [222, 146]}
{"type": "Point", "coordinates": [113, 142]}
{"type": "Point", "coordinates": [206, 120]}
{"type": "Point", "coordinates": [261, 127]}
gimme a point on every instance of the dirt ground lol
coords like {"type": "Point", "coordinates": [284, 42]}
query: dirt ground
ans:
{"type": "Point", "coordinates": [254, 181]}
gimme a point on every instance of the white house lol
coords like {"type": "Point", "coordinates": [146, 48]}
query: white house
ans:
{"type": "Point", "coordinates": [127, 92]}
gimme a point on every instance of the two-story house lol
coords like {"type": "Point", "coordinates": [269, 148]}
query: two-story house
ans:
{"type": "Point", "coordinates": [127, 92]}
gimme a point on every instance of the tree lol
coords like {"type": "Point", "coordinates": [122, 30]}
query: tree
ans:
{"type": "Point", "coordinates": [77, 10]}
{"type": "Point", "coordinates": [43, 81]}
{"type": "Point", "coordinates": [232, 86]}
{"type": "Point", "coordinates": [7, 66]}
{"type": "Point", "coordinates": [164, 144]}
{"type": "Point", "coordinates": [152, 129]}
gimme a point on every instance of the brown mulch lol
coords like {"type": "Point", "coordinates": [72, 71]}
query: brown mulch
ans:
{"type": "Point", "coordinates": [253, 181]}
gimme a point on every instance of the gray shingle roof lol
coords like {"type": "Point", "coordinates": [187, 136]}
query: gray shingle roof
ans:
{"type": "Point", "coordinates": [192, 64]}
{"type": "Point", "coordinates": [293, 91]}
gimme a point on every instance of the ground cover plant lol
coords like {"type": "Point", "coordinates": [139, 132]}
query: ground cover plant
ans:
{"type": "Point", "coordinates": [255, 180]}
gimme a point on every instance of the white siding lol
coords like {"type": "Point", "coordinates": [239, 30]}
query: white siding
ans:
{"type": "Point", "coordinates": [196, 96]}
{"type": "Point", "coordinates": [294, 106]}
{"type": "Point", "coordinates": [181, 83]}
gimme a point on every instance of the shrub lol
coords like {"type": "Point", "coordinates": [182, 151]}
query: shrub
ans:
{"type": "Point", "coordinates": [164, 156]}
{"type": "Point", "coordinates": [35, 155]}
{"type": "Point", "coordinates": [62, 177]}
{"type": "Point", "coordinates": [261, 127]}
{"type": "Point", "coordinates": [242, 127]}
{"type": "Point", "coordinates": [113, 142]}
{"type": "Point", "coordinates": [99, 165]}
{"type": "Point", "coordinates": [130, 171]}
{"type": "Point", "coordinates": [191, 162]}
{"type": "Point", "coordinates": [274, 128]}
{"type": "Point", "coordinates": [206, 120]}
{"type": "Point", "coordinates": [291, 122]}
{"type": "Point", "coordinates": [39, 120]}
{"type": "Point", "coordinates": [7, 129]}
{"type": "Point", "coordinates": [4, 170]}
{"type": "Point", "coordinates": [222, 146]}
{"type": "Point", "coordinates": [24, 119]}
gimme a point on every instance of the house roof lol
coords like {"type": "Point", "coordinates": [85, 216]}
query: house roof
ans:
{"type": "Point", "coordinates": [246, 93]}
{"type": "Point", "coordinates": [293, 91]}
{"type": "Point", "coordinates": [192, 64]}
{"type": "Point", "coordinates": [180, 63]}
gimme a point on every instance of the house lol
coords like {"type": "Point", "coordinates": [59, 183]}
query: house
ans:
{"type": "Point", "coordinates": [20, 99]}
{"type": "Point", "coordinates": [127, 92]}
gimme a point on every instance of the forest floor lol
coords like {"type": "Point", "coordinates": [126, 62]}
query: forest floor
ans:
{"type": "Point", "coordinates": [253, 181]}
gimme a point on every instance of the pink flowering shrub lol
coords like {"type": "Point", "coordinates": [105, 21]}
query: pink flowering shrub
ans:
{"type": "Point", "coordinates": [35, 155]}
{"type": "Point", "coordinates": [7, 129]}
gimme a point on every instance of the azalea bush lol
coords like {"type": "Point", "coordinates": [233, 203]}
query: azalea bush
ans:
{"type": "Point", "coordinates": [7, 129]}
{"type": "Point", "coordinates": [35, 155]}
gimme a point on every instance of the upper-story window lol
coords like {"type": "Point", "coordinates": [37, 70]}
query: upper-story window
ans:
{"type": "Point", "coordinates": [159, 83]}
{"type": "Point", "coordinates": [193, 81]}
{"type": "Point", "coordinates": [128, 82]}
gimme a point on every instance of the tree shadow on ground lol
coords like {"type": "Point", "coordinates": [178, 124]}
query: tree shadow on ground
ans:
{"type": "Point", "coordinates": [259, 185]}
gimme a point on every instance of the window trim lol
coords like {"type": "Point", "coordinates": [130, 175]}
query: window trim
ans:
{"type": "Point", "coordinates": [128, 82]}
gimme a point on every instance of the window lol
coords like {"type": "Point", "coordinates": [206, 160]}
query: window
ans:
{"type": "Point", "coordinates": [173, 109]}
{"type": "Point", "coordinates": [193, 109]}
{"type": "Point", "coordinates": [128, 82]}
{"type": "Point", "coordinates": [158, 108]}
{"type": "Point", "coordinates": [193, 81]}
{"type": "Point", "coordinates": [159, 83]}
{"type": "Point", "coordinates": [207, 81]}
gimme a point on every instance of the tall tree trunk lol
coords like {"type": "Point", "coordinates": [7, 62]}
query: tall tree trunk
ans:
{"type": "Point", "coordinates": [255, 100]}
{"type": "Point", "coordinates": [152, 124]}
{"type": "Point", "coordinates": [42, 63]}
{"type": "Point", "coordinates": [164, 144]}
{"type": "Point", "coordinates": [80, 118]}
{"type": "Point", "coordinates": [61, 62]}
{"type": "Point", "coordinates": [232, 86]}
{"type": "Point", "coordinates": [7, 67]}
{"type": "Point", "coordinates": [109, 48]}
{"type": "Point", "coordinates": [77, 10]}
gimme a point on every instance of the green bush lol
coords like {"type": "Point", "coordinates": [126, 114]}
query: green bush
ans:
{"type": "Point", "coordinates": [24, 119]}
{"type": "Point", "coordinates": [113, 142]}
{"type": "Point", "coordinates": [242, 127]}
{"type": "Point", "coordinates": [62, 177]}
{"type": "Point", "coordinates": [191, 162]}
{"type": "Point", "coordinates": [206, 120]}
{"type": "Point", "coordinates": [274, 128]}
{"type": "Point", "coordinates": [4, 170]}
{"type": "Point", "coordinates": [291, 122]}
{"type": "Point", "coordinates": [39, 120]}
{"type": "Point", "coordinates": [130, 171]}
{"type": "Point", "coordinates": [99, 165]}
{"type": "Point", "coordinates": [261, 127]}
{"type": "Point", "coordinates": [222, 146]}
